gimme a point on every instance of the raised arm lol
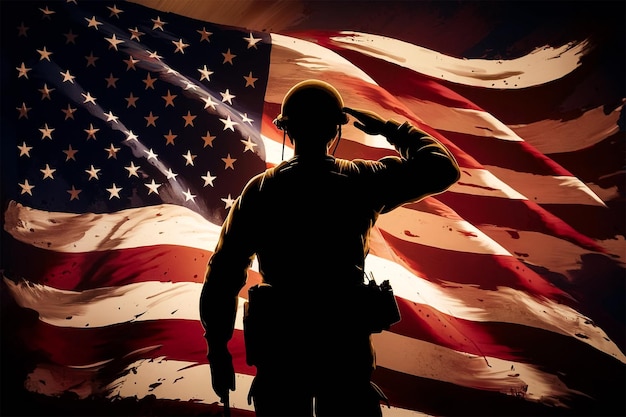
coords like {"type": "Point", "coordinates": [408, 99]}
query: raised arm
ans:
{"type": "Point", "coordinates": [424, 167]}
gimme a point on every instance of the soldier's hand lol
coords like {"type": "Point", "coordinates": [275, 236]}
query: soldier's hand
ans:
{"type": "Point", "coordinates": [222, 373]}
{"type": "Point", "coordinates": [368, 121]}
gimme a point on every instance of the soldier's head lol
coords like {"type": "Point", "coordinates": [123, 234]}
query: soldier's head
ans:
{"type": "Point", "coordinates": [312, 112]}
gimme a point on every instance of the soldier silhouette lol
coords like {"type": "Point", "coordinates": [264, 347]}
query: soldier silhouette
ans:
{"type": "Point", "coordinates": [307, 221]}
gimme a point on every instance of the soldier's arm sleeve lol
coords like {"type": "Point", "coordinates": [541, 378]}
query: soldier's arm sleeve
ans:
{"type": "Point", "coordinates": [424, 167]}
{"type": "Point", "coordinates": [226, 274]}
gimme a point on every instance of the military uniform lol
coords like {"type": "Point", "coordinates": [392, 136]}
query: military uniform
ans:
{"type": "Point", "coordinates": [308, 221]}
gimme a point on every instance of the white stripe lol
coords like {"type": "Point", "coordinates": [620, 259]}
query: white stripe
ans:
{"type": "Point", "coordinates": [468, 121]}
{"type": "Point", "coordinates": [274, 151]}
{"type": "Point", "coordinates": [506, 305]}
{"type": "Point", "coordinates": [176, 225]}
{"type": "Point", "coordinates": [475, 181]}
{"type": "Point", "coordinates": [150, 301]}
{"type": "Point", "coordinates": [563, 257]}
{"type": "Point", "coordinates": [131, 228]}
{"type": "Point", "coordinates": [546, 189]}
{"type": "Point", "coordinates": [436, 231]}
{"type": "Point", "coordinates": [427, 360]}
{"type": "Point", "coordinates": [539, 188]}
{"type": "Point", "coordinates": [190, 381]}
{"type": "Point", "coordinates": [541, 66]}
{"type": "Point", "coordinates": [166, 379]}
{"type": "Point", "coordinates": [560, 136]}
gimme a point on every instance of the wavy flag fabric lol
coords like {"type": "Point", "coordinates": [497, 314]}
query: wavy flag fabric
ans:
{"type": "Point", "coordinates": [128, 131]}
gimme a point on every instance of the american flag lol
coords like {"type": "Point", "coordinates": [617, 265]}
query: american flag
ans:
{"type": "Point", "coordinates": [128, 132]}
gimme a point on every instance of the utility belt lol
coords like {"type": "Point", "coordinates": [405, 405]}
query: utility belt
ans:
{"type": "Point", "coordinates": [365, 308]}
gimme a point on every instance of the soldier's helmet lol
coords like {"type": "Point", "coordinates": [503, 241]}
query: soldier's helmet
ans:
{"type": "Point", "coordinates": [312, 106]}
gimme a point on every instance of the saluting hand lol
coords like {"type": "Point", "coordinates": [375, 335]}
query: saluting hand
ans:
{"type": "Point", "coordinates": [368, 121]}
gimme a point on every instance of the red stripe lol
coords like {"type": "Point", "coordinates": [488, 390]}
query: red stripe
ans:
{"type": "Point", "coordinates": [519, 215]}
{"type": "Point", "coordinates": [484, 270]}
{"type": "Point", "coordinates": [174, 339]}
{"type": "Point", "coordinates": [397, 80]}
{"type": "Point", "coordinates": [88, 270]}
{"type": "Point", "coordinates": [514, 155]}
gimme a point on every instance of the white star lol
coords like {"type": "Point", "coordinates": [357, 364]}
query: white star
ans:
{"type": "Point", "coordinates": [113, 41]}
{"type": "Point", "coordinates": [74, 193]}
{"type": "Point", "coordinates": [47, 173]}
{"type": "Point", "coordinates": [69, 112]}
{"type": "Point", "coordinates": [151, 155]}
{"type": "Point", "coordinates": [228, 201]}
{"type": "Point", "coordinates": [111, 80]}
{"type": "Point", "coordinates": [204, 35]}
{"type": "Point", "coordinates": [23, 71]}
{"type": "Point", "coordinates": [67, 76]}
{"type": "Point", "coordinates": [190, 85]}
{"type": "Point", "coordinates": [26, 188]}
{"type": "Point", "coordinates": [229, 162]}
{"type": "Point", "coordinates": [70, 153]}
{"type": "Point", "coordinates": [44, 54]}
{"type": "Point", "coordinates": [250, 80]}
{"type": "Point", "coordinates": [46, 132]}
{"type": "Point", "coordinates": [47, 12]}
{"type": "Point", "coordinates": [155, 55]}
{"type": "Point", "coordinates": [249, 144]}
{"type": "Point", "coordinates": [180, 46]}
{"type": "Point", "coordinates": [228, 57]}
{"type": "Point", "coordinates": [158, 24]}
{"type": "Point", "coordinates": [205, 73]}
{"type": "Point", "coordinates": [91, 132]}
{"type": "Point", "coordinates": [171, 175]}
{"type": "Point", "coordinates": [130, 63]}
{"type": "Point", "coordinates": [189, 158]}
{"type": "Point", "coordinates": [189, 196]}
{"type": "Point", "coordinates": [132, 100]}
{"type": "Point", "coordinates": [154, 188]}
{"type": "Point", "coordinates": [208, 139]}
{"type": "Point", "coordinates": [169, 99]}
{"type": "Point", "coordinates": [226, 96]}
{"type": "Point", "coordinates": [135, 34]}
{"type": "Point", "coordinates": [149, 81]}
{"type": "Point", "coordinates": [170, 137]}
{"type": "Point", "coordinates": [115, 192]}
{"type": "Point", "coordinates": [24, 111]}
{"type": "Point", "coordinates": [112, 151]}
{"type": "Point", "coordinates": [208, 179]}
{"type": "Point", "coordinates": [208, 101]}
{"type": "Point", "coordinates": [131, 136]}
{"type": "Point", "coordinates": [111, 117]}
{"type": "Point", "coordinates": [24, 149]}
{"type": "Point", "coordinates": [45, 92]}
{"type": "Point", "coordinates": [246, 119]}
{"type": "Point", "coordinates": [252, 41]}
{"type": "Point", "coordinates": [229, 124]}
{"type": "Point", "coordinates": [132, 170]}
{"type": "Point", "coordinates": [93, 22]}
{"type": "Point", "coordinates": [189, 119]}
{"type": "Point", "coordinates": [115, 12]}
{"type": "Point", "coordinates": [93, 173]}
{"type": "Point", "coordinates": [89, 98]}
